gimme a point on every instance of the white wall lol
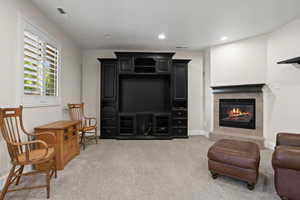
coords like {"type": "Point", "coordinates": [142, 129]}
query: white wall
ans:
{"type": "Point", "coordinates": [10, 12]}
{"type": "Point", "coordinates": [91, 78]}
{"type": "Point", "coordinates": [208, 96]}
{"type": "Point", "coordinates": [254, 60]}
{"type": "Point", "coordinates": [283, 94]}
{"type": "Point", "coordinates": [242, 62]}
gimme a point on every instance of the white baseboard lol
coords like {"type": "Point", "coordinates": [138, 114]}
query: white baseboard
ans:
{"type": "Point", "coordinates": [198, 132]}
{"type": "Point", "coordinates": [270, 145]}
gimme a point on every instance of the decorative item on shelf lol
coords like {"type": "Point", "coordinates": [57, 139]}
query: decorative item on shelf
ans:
{"type": "Point", "coordinates": [148, 131]}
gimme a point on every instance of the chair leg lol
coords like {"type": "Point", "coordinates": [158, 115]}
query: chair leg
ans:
{"type": "Point", "coordinates": [82, 140]}
{"type": "Point", "coordinates": [19, 175]}
{"type": "Point", "coordinates": [214, 175]}
{"type": "Point", "coordinates": [48, 180]}
{"type": "Point", "coordinates": [7, 183]}
{"type": "Point", "coordinates": [283, 198]}
{"type": "Point", "coordinates": [54, 168]}
{"type": "Point", "coordinates": [96, 137]}
{"type": "Point", "coordinates": [250, 186]}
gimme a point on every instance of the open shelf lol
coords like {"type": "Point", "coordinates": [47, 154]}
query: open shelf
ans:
{"type": "Point", "coordinates": [141, 94]}
{"type": "Point", "coordinates": [162, 126]}
{"type": "Point", "coordinates": [144, 124]}
{"type": "Point", "coordinates": [290, 61]}
{"type": "Point", "coordinates": [127, 125]}
{"type": "Point", "coordinates": [144, 65]}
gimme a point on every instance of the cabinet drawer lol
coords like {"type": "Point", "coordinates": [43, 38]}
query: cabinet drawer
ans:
{"type": "Point", "coordinates": [108, 131]}
{"type": "Point", "coordinates": [179, 113]}
{"type": "Point", "coordinates": [180, 131]}
{"type": "Point", "coordinates": [179, 122]}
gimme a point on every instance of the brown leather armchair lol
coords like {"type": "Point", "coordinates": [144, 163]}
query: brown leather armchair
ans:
{"type": "Point", "coordinates": [286, 164]}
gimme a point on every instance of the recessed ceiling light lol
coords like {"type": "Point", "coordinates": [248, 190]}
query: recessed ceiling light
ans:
{"type": "Point", "coordinates": [161, 36]}
{"type": "Point", "coordinates": [224, 38]}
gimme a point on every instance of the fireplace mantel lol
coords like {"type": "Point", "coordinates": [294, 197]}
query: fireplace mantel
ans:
{"type": "Point", "coordinates": [249, 88]}
{"type": "Point", "coordinates": [237, 93]}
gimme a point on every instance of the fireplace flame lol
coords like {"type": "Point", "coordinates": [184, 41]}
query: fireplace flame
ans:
{"type": "Point", "coordinates": [237, 112]}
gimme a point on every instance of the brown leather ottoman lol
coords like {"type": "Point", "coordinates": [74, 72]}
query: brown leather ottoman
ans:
{"type": "Point", "coordinates": [237, 159]}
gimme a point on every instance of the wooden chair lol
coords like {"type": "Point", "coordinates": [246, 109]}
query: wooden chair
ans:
{"type": "Point", "coordinates": [24, 150]}
{"type": "Point", "coordinates": [88, 124]}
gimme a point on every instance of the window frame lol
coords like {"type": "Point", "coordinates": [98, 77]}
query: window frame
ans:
{"type": "Point", "coordinates": [37, 100]}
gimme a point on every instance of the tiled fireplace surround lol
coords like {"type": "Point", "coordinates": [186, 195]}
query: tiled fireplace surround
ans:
{"type": "Point", "coordinates": [239, 92]}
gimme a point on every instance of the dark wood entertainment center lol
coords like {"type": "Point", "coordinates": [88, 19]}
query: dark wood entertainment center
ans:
{"type": "Point", "coordinates": [144, 96]}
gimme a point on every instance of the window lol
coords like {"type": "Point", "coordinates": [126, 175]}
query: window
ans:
{"type": "Point", "coordinates": [41, 68]}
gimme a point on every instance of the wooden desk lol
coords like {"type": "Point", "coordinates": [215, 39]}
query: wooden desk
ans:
{"type": "Point", "coordinates": [67, 141]}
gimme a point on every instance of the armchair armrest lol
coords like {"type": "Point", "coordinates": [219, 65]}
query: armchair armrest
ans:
{"type": "Point", "coordinates": [90, 121]}
{"type": "Point", "coordinates": [42, 145]}
{"type": "Point", "coordinates": [288, 139]}
{"type": "Point", "coordinates": [47, 137]}
{"type": "Point", "coordinates": [286, 157]}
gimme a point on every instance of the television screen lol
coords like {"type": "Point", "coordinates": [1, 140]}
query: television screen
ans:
{"type": "Point", "coordinates": [144, 94]}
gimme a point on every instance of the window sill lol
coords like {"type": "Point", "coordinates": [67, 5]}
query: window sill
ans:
{"type": "Point", "coordinates": [38, 101]}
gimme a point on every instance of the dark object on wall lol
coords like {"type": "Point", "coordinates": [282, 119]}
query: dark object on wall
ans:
{"type": "Point", "coordinates": [144, 96]}
{"type": "Point", "coordinates": [286, 164]}
{"type": "Point", "coordinates": [290, 61]}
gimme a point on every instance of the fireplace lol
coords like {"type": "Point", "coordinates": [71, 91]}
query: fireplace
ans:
{"type": "Point", "coordinates": [237, 113]}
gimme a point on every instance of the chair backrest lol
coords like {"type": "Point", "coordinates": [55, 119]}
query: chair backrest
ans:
{"type": "Point", "coordinates": [76, 112]}
{"type": "Point", "coordinates": [12, 129]}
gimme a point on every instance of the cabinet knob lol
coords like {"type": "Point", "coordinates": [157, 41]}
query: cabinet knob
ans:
{"type": "Point", "coordinates": [179, 122]}
{"type": "Point", "coordinates": [179, 131]}
{"type": "Point", "coordinates": [108, 131]}
{"type": "Point", "coordinates": [179, 113]}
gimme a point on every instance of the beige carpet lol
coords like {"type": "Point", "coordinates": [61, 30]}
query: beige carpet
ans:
{"type": "Point", "coordinates": [150, 170]}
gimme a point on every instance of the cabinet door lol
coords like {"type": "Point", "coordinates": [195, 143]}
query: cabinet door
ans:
{"type": "Point", "coordinates": [180, 82]}
{"type": "Point", "coordinates": [125, 64]}
{"type": "Point", "coordinates": [108, 80]}
{"type": "Point", "coordinates": [163, 65]}
{"type": "Point", "coordinates": [108, 133]}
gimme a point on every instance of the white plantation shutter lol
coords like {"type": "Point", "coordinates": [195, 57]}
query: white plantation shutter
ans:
{"type": "Point", "coordinates": [51, 70]}
{"type": "Point", "coordinates": [32, 64]}
{"type": "Point", "coordinates": [41, 61]}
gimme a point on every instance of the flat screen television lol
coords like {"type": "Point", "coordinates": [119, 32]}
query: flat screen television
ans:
{"type": "Point", "coordinates": [144, 94]}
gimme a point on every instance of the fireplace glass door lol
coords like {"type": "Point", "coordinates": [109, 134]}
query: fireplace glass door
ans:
{"type": "Point", "coordinates": [238, 113]}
